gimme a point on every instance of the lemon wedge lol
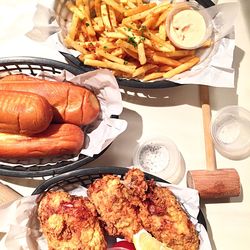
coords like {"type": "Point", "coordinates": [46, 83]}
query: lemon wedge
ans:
{"type": "Point", "coordinates": [145, 241]}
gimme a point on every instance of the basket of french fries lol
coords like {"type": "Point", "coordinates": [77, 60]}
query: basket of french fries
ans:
{"type": "Point", "coordinates": [128, 37]}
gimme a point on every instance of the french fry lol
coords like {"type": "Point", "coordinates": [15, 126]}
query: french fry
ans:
{"type": "Point", "coordinates": [133, 38]}
{"type": "Point", "coordinates": [75, 10]}
{"type": "Point", "coordinates": [139, 9]}
{"type": "Point", "coordinates": [139, 2]}
{"type": "Point", "coordinates": [119, 73]}
{"type": "Point", "coordinates": [177, 53]}
{"type": "Point", "coordinates": [150, 20]}
{"type": "Point", "coordinates": [85, 3]}
{"type": "Point", "coordinates": [207, 44]}
{"type": "Point", "coordinates": [137, 16]}
{"type": "Point", "coordinates": [110, 57]}
{"type": "Point", "coordinates": [110, 65]}
{"type": "Point", "coordinates": [74, 26]}
{"type": "Point", "coordinates": [89, 45]}
{"type": "Point", "coordinates": [161, 7]}
{"type": "Point", "coordinates": [115, 5]}
{"type": "Point", "coordinates": [131, 5]}
{"type": "Point", "coordinates": [159, 41]}
{"type": "Point", "coordinates": [98, 8]}
{"type": "Point", "coordinates": [105, 17]}
{"type": "Point", "coordinates": [92, 7]}
{"type": "Point", "coordinates": [126, 45]}
{"type": "Point", "coordinates": [81, 37]}
{"type": "Point", "coordinates": [116, 35]}
{"type": "Point", "coordinates": [112, 16]}
{"type": "Point", "coordinates": [98, 25]}
{"type": "Point", "coordinates": [98, 20]}
{"type": "Point", "coordinates": [75, 45]}
{"type": "Point", "coordinates": [181, 68]}
{"type": "Point", "coordinates": [186, 59]}
{"type": "Point", "coordinates": [131, 25]}
{"type": "Point", "coordinates": [162, 17]}
{"type": "Point", "coordinates": [141, 53]}
{"type": "Point", "coordinates": [153, 76]}
{"type": "Point", "coordinates": [157, 9]}
{"type": "Point", "coordinates": [131, 53]}
{"type": "Point", "coordinates": [118, 52]}
{"type": "Point", "coordinates": [78, 3]}
{"type": "Point", "coordinates": [155, 46]}
{"type": "Point", "coordinates": [88, 23]}
{"type": "Point", "coordinates": [88, 56]}
{"type": "Point", "coordinates": [165, 68]}
{"type": "Point", "coordinates": [143, 69]}
{"type": "Point", "coordinates": [162, 32]}
{"type": "Point", "coordinates": [107, 46]}
{"type": "Point", "coordinates": [165, 60]}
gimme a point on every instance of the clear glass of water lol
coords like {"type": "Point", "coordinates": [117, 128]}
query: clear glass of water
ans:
{"type": "Point", "coordinates": [231, 132]}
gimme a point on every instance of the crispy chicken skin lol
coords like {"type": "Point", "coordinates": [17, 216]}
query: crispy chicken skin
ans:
{"type": "Point", "coordinates": [112, 202]}
{"type": "Point", "coordinates": [136, 185]}
{"type": "Point", "coordinates": [69, 222]}
{"type": "Point", "coordinates": [162, 216]}
{"type": "Point", "coordinates": [128, 205]}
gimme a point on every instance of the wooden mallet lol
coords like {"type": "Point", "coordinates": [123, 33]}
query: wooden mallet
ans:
{"type": "Point", "coordinates": [213, 182]}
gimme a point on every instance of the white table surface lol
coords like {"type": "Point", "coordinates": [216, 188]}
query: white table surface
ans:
{"type": "Point", "coordinates": [176, 113]}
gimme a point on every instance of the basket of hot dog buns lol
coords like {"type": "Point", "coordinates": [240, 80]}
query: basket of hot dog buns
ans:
{"type": "Point", "coordinates": [53, 118]}
{"type": "Point", "coordinates": [100, 208]}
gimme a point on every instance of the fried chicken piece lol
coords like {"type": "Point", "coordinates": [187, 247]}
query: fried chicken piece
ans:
{"type": "Point", "coordinates": [136, 185]}
{"type": "Point", "coordinates": [128, 205]}
{"type": "Point", "coordinates": [162, 215]}
{"type": "Point", "coordinates": [111, 200]}
{"type": "Point", "coordinates": [70, 223]}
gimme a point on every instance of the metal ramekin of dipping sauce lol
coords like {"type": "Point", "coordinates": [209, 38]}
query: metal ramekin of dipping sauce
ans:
{"type": "Point", "coordinates": [188, 25]}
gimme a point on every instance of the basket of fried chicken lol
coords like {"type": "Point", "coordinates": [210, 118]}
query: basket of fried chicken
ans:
{"type": "Point", "coordinates": [98, 211]}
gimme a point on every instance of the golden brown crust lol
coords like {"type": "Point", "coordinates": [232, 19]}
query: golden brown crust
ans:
{"type": "Point", "coordinates": [71, 103]}
{"type": "Point", "coordinates": [113, 205]}
{"type": "Point", "coordinates": [70, 222]}
{"type": "Point", "coordinates": [24, 113]}
{"type": "Point", "coordinates": [162, 216]}
{"type": "Point", "coordinates": [57, 140]}
{"type": "Point", "coordinates": [128, 205]}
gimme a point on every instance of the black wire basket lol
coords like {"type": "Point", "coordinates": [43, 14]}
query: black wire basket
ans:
{"type": "Point", "coordinates": [86, 176]}
{"type": "Point", "coordinates": [33, 65]}
{"type": "Point", "coordinates": [63, 16]}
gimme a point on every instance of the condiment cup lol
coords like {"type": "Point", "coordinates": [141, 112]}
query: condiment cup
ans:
{"type": "Point", "coordinates": [208, 29]}
{"type": "Point", "coordinates": [160, 157]}
{"type": "Point", "coordinates": [230, 131]}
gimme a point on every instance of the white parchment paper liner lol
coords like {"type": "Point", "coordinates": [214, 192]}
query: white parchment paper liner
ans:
{"type": "Point", "coordinates": [215, 67]}
{"type": "Point", "coordinates": [19, 220]}
{"type": "Point", "coordinates": [105, 129]}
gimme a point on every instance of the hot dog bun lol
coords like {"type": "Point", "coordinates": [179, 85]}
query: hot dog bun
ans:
{"type": "Point", "coordinates": [24, 113]}
{"type": "Point", "coordinates": [72, 103]}
{"type": "Point", "coordinates": [57, 140]}
{"type": "Point", "coordinates": [16, 77]}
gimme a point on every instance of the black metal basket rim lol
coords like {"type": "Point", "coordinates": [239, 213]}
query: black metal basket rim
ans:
{"type": "Point", "coordinates": [48, 170]}
{"type": "Point", "coordinates": [39, 61]}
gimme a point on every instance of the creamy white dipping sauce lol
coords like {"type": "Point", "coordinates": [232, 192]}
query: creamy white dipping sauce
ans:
{"type": "Point", "coordinates": [154, 157]}
{"type": "Point", "coordinates": [188, 28]}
